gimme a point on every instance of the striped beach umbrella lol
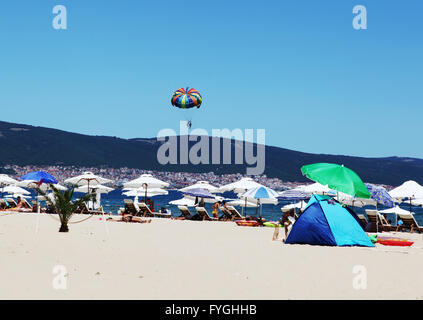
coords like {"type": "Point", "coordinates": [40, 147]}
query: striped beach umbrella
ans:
{"type": "Point", "coordinates": [293, 195]}
{"type": "Point", "coordinates": [260, 193]}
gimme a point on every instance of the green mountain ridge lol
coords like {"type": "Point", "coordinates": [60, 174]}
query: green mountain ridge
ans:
{"type": "Point", "coordinates": [30, 145]}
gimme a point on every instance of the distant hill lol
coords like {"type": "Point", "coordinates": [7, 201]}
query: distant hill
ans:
{"type": "Point", "coordinates": [29, 145]}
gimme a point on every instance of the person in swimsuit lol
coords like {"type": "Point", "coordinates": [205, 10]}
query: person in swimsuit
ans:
{"type": "Point", "coordinates": [131, 218]}
{"type": "Point", "coordinates": [215, 207]}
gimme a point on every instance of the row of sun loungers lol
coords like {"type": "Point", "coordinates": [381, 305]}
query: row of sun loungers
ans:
{"type": "Point", "coordinates": [230, 213]}
{"type": "Point", "coordinates": [379, 223]}
{"type": "Point", "coordinates": [142, 210]}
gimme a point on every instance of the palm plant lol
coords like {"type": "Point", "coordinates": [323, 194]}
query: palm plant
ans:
{"type": "Point", "coordinates": [63, 204]}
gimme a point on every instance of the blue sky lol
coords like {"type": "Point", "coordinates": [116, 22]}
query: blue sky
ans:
{"type": "Point", "coordinates": [295, 68]}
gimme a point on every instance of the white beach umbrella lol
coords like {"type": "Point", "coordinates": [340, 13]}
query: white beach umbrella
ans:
{"type": "Point", "coordinates": [202, 185]}
{"type": "Point", "coordinates": [5, 180]}
{"type": "Point", "coordinates": [139, 192]}
{"type": "Point", "coordinates": [99, 188]}
{"type": "Point", "coordinates": [183, 202]}
{"type": "Point", "coordinates": [396, 210]}
{"type": "Point", "coordinates": [349, 200]}
{"type": "Point", "coordinates": [316, 188]}
{"type": "Point", "coordinates": [146, 181]}
{"type": "Point", "coordinates": [240, 186]}
{"type": "Point", "coordinates": [86, 179]}
{"type": "Point", "coordinates": [241, 203]}
{"type": "Point", "coordinates": [408, 190]}
{"type": "Point", "coordinates": [298, 205]}
{"type": "Point", "coordinates": [207, 200]}
{"type": "Point", "coordinates": [16, 190]}
{"type": "Point", "coordinates": [31, 184]}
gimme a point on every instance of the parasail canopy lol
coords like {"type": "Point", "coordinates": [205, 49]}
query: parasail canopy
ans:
{"type": "Point", "coordinates": [186, 98]}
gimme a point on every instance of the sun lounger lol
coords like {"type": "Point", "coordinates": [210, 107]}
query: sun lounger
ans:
{"type": "Point", "coordinates": [130, 207]}
{"type": "Point", "coordinates": [185, 211]}
{"type": "Point", "coordinates": [226, 214]}
{"type": "Point", "coordinates": [148, 213]}
{"type": "Point", "coordinates": [378, 222]}
{"type": "Point", "coordinates": [11, 203]}
{"type": "Point", "coordinates": [363, 220]}
{"type": "Point", "coordinates": [410, 223]}
{"type": "Point", "coordinates": [204, 214]}
{"type": "Point", "coordinates": [234, 212]}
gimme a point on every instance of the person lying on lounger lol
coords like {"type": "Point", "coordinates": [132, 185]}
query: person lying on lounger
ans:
{"type": "Point", "coordinates": [131, 218]}
{"type": "Point", "coordinates": [20, 205]}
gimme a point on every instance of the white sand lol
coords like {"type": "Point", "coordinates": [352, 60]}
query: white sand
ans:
{"type": "Point", "coordinates": [193, 260]}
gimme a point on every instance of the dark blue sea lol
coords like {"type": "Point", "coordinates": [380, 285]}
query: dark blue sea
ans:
{"type": "Point", "coordinates": [114, 200]}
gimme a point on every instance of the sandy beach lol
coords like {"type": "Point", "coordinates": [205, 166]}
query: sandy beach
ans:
{"type": "Point", "coordinates": [192, 260]}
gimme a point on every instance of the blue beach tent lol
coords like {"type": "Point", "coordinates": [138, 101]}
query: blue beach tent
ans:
{"type": "Point", "coordinates": [325, 222]}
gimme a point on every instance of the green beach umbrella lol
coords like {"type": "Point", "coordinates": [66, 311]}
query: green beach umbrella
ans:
{"type": "Point", "coordinates": [337, 177]}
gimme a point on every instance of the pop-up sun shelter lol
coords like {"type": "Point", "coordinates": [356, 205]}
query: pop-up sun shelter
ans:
{"type": "Point", "coordinates": [325, 222]}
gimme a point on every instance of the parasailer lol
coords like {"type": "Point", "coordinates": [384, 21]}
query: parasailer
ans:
{"type": "Point", "coordinates": [186, 99]}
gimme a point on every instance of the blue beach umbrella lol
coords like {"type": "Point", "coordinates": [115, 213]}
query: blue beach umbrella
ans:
{"type": "Point", "coordinates": [380, 195]}
{"type": "Point", "coordinates": [40, 177]}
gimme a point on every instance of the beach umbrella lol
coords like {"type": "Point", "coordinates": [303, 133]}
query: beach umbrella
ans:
{"type": "Point", "coordinates": [316, 188]}
{"type": "Point", "coordinates": [337, 177]}
{"type": "Point", "coordinates": [138, 192]}
{"type": "Point", "coordinates": [5, 180]}
{"type": "Point", "coordinates": [99, 188]}
{"type": "Point", "coordinates": [183, 202]}
{"type": "Point", "coordinates": [397, 211]}
{"type": "Point", "coordinates": [239, 187]}
{"type": "Point", "coordinates": [293, 195]}
{"type": "Point", "coordinates": [201, 185]}
{"type": "Point", "coordinates": [32, 184]}
{"type": "Point", "coordinates": [298, 205]}
{"type": "Point", "coordinates": [260, 193]}
{"type": "Point", "coordinates": [380, 195]}
{"type": "Point", "coordinates": [241, 203]}
{"type": "Point", "coordinates": [417, 203]}
{"type": "Point", "coordinates": [39, 177]}
{"type": "Point", "coordinates": [146, 181]}
{"type": "Point", "coordinates": [198, 192]}
{"type": "Point", "coordinates": [409, 190]}
{"type": "Point", "coordinates": [15, 190]}
{"type": "Point", "coordinates": [86, 179]}
{"type": "Point", "coordinates": [354, 201]}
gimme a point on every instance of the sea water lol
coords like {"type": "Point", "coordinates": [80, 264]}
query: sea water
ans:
{"type": "Point", "coordinates": [114, 200]}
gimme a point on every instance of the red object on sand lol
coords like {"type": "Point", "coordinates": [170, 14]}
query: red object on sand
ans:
{"type": "Point", "coordinates": [247, 223]}
{"type": "Point", "coordinates": [394, 242]}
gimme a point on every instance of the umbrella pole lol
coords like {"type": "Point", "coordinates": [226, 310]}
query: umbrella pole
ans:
{"type": "Point", "coordinates": [245, 208]}
{"type": "Point", "coordinates": [37, 223]}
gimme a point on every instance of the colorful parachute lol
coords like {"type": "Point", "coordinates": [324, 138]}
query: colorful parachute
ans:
{"type": "Point", "coordinates": [186, 98]}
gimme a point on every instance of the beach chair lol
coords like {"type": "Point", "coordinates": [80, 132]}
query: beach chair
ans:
{"type": "Point", "coordinates": [148, 213]}
{"type": "Point", "coordinates": [130, 207]}
{"type": "Point", "coordinates": [410, 223]}
{"type": "Point", "coordinates": [226, 214]}
{"type": "Point", "coordinates": [185, 211]}
{"type": "Point", "coordinates": [11, 203]}
{"type": "Point", "coordinates": [82, 209]}
{"type": "Point", "coordinates": [378, 222]}
{"type": "Point", "coordinates": [204, 214]}
{"type": "Point", "coordinates": [363, 220]}
{"type": "Point", "coordinates": [235, 214]}
{"type": "Point", "coordinates": [3, 204]}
